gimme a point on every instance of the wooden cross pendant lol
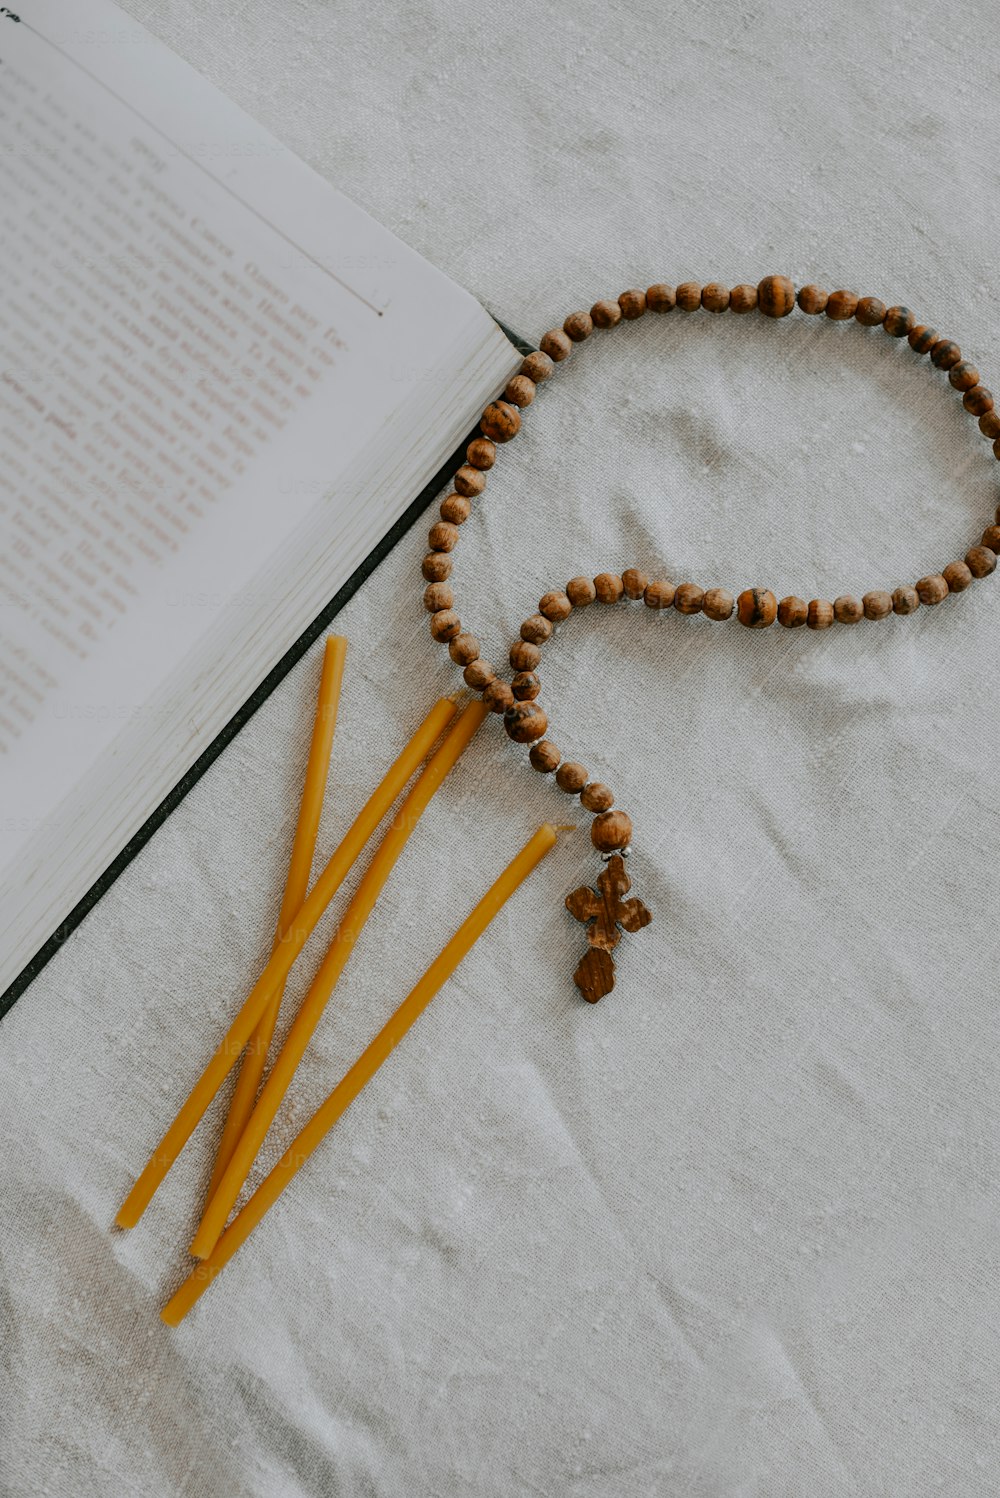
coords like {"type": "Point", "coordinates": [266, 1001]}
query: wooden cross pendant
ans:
{"type": "Point", "coordinates": [604, 911]}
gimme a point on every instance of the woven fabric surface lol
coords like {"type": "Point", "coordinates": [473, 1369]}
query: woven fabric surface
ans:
{"type": "Point", "coordinates": [732, 1232]}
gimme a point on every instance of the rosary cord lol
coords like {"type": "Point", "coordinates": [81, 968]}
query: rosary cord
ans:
{"type": "Point", "coordinates": [517, 700]}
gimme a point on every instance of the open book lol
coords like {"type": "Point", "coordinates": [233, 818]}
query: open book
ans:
{"type": "Point", "coordinates": [221, 386]}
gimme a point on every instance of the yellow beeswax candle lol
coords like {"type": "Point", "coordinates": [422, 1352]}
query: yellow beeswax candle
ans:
{"type": "Point", "coordinates": [296, 888]}
{"type": "Point", "coordinates": [281, 963]}
{"type": "Point", "coordinates": [360, 1073]}
{"type": "Point", "coordinates": [285, 1063]}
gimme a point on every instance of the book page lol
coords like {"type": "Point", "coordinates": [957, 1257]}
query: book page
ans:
{"type": "Point", "coordinates": [197, 337]}
{"type": "Point", "coordinates": [148, 362]}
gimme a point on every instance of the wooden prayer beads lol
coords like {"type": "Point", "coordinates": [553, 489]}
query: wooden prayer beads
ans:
{"type": "Point", "coordinates": [524, 717]}
{"type": "Point", "coordinates": [756, 608]}
{"type": "Point", "coordinates": [792, 612]}
{"type": "Point", "coordinates": [775, 296]}
{"type": "Point", "coordinates": [877, 605]}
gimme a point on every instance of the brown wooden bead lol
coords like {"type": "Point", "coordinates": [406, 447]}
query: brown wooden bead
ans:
{"type": "Point", "coordinates": [958, 576]}
{"type": "Point", "coordinates": [525, 722]}
{"type": "Point", "coordinates": [445, 624]}
{"type": "Point", "coordinates": [689, 296]}
{"type": "Point", "coordinates": [812, 299]}
{"type": "Point", "coordinates": [963, 375]}
{"type": "Point", "coordinates": [932, 589]}
{"type": "Point", "coordinates": [609, 587]}
{"type": "Point", "coordinates": [989, 424]}
{"type": "Point", "coordinates": [775, 296]}
{"type": "Point", "coordinates": [718, 604]}
{"type": "Point", "coordinates": [580, 591]}
{"type": "Point", "coordinates": [524, 656]}
{"type": "Point", "coordinates": [611, 830]}
{"type": "Point", "coordinates": [634, 582]}
{"type": "Point", "coordinates": [632, 303]}
{"type": "Point", "coordinates": [481, 452]}
{"type": "Point", "coordinates": [555, 606]}
{"type": "Point", "coordinates": [526, 686]}
{"type": "Point", "coordinates": [470, 481]}
{"type": "Point", "coordinates": [715, 297]}
{"type": "Point", "coordinates": [436, 566]}
{"type": "Point", "coordinates": [756, 608]}
{"type": "Point", "coordinates": [792, 611]}
{"type": "Point", "coordinates": [520, 391]}
{"type": "Point", "coordinates": [841, 305]}
{"type": "Point", "coordinates": [978, 401]}
{"type": "Point", "coordinates": [847, 609]}
{"type": "Point", "coordinates": [571, 777]}
{"type": "Point", "coordinates": [464, 649]}
{"type": "Point", "coordinates": [498, 696]}
{"type": "Point", "coordinates": [660, 297]}
{"type": "Point", "coordinates": [596, 797]}
{"type": "Point", "coordinates": [991, 537]}
{"type": "Point", "coordinates": [556, 345]}
{"type": "Point", "coordinates": [606, 314]}
{"type": "Point", "coordinates": [905, 600]}
{"type": "Point", "coordinates": [536, 629]}
{"type": "Point", "coordinates": [743, 298]}
{"type": "Point", "coordinates": [922, 338]}
{"type": "Point", "coordinates": [537, 366]}
{"type": "Point", "coordinates": [544, 757]}
{"type": "Point", "coordinates": [819, 614]}
{"type": "Point", "coordinates": [658, 594]}
{"type": "Point", "coordinates": [878, 604]}
{"type": "Point", "coordinates": [438, 596]}
{"type": "Point", "coordinates": [981, 561]}
{"type": "Point", "coordinates": [443, 536]}
{"type": "Point", "coordinates": [898, 322]}
{"type": "Point", "coordinates": [870, 312]}
{"type": "Point", "coordinates": [578, 326]}
{"type": "Point", "coordinates": [500, 421]}
{"type": "Point", "coordinates": [478, 674]}
{"type": "Point", "coordinates": [945, 354]}
{"type": "Point", "coordinates": [455, 509]}
{"type": "Point", "coordinates": [688, 598]}
{"type": "Point", "coordinates": [996, 449]}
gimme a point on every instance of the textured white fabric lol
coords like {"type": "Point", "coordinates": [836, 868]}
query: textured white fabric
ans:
{"type": "Point", "coordinates": [733, 1231]}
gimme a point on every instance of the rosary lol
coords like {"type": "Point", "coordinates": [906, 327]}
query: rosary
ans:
{"type": "Point", "coordinates": [606, 911]}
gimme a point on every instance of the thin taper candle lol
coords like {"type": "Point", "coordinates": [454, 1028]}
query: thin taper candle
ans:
{"type": "Point", "coordinates": [359, 1075]}
{"type": "Point", "coordinates": [296, 889]}
{"type": "Point", "coordinates": [285, 1063]}
{"type": "Point", "coordinates": [281, 963]}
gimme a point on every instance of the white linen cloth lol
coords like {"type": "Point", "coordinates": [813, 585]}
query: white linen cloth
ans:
{"type": "Point", "coordinates": [734, 1230]}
